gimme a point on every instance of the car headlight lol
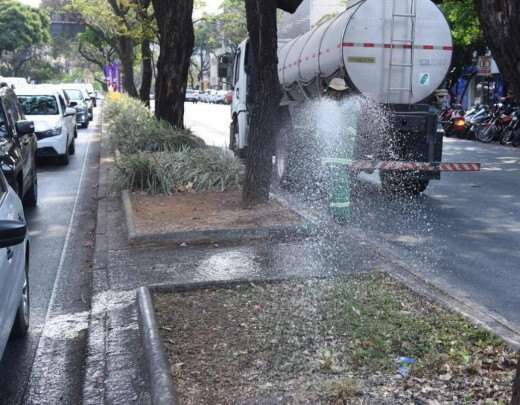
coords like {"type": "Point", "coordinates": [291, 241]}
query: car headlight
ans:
{"type": "Point", "coordinates": [49, 133]}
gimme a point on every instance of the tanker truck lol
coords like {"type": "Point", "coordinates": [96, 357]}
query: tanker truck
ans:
{"type": "Point", "coordinates": [393, 52]}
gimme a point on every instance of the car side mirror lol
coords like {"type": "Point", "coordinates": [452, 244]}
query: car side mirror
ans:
{"type": "Point", "coordinates": [12, 232]}
{"type": "Point", "coordinates": [73, 104]}
{"type": "Point", "coordinates": [69, 111]}
{"type": "Point", "coordinates": [24, 127]}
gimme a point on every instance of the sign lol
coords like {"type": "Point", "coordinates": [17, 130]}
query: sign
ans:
{"type": "Point", "coordinates": [484, 65]}
{"type": "Point", "coordinates": [424, 79]}
{"type": "Point", "coordinates": [361, 59]}
{"type": "Point", "coordinates": [113, 76]}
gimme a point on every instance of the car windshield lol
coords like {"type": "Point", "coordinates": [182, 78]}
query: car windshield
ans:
{"type": "Point", "coordinates": [39, 105]}
{"type": "Point", "coordinates": [74, 94]}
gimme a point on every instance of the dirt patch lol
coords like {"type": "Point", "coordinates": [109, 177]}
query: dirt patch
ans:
{"type": "Point", "coordinates": [328, 342]}
{"type": "Point", "coordinates": [204, 211]}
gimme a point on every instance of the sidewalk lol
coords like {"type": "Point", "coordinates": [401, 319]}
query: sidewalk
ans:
{"type": "Point", "coordinates": [113, 373]}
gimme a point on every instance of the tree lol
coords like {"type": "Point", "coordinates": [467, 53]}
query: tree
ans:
{"type": "Point", "coordinates": [261, 23]}
{"type": "Point", "coordinates": [515, 399]}
{"type": "Point", "coordinates": [22, 29]}
{"type": "Point", "coordinates": [466, 33]}
{"type": "Point", "coordinates": [206, 42]}
{"type": "Point", "coordinates": [500, 22]}
{"type": "Point", "coordinates": [232, 23]}
{"type": "Point", "coordinates": [176, 40]}
{"type": "Point", "coordinates": [121, 25]}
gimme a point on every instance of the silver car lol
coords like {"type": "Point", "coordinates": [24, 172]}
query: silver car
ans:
{"type": "Point", "coordinates": [14, 267]}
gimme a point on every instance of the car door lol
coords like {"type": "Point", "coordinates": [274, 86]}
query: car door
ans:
{"type": "Point", "coordinates": [23, 142]}
{"type": "Point", "coordinates": [8, 277]}
{"type": "Point", "coordinates": [69, 121]}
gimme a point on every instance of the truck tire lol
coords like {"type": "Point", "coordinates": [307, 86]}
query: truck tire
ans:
{"type": "Point", "coordinates": [402, 184]}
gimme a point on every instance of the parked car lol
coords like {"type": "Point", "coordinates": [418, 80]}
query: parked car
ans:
{"type": "Point", "coordinates": [18, 148]}
{"type": "Point", "coordinates": [92, 93]}
{"type": "Point", "coordinates": [192, 96]}
{"type": "Point", "coordinates": [78, 101]}
{"type": "Point", "coordinates": [54, 122]}
{"type": "Point", "coordinates": [14, 267]}
{"type": "Point", "coordinates": [85, 97]}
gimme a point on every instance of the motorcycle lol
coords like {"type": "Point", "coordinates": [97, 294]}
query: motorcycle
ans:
{"type": "Point", "coordinates": [453, 121]}
{"type": "Point", "coordinates": [492, 129]}
{"type": "Point", "coordinates": [474, 117]}
{"type": "Point", "coordinates": [511, 134]}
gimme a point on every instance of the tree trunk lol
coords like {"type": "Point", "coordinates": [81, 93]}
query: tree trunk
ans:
{"type": "Point", "coordinates": [147, 72]}
{"type": "Point", "coordinates": [515, 400]}
{"type": "Point", "coordinates": [126, 54]}
{"type": "Point", "coordinates": [176, 40]}
{"type": "Point", "coordinates": [266, 94]}
{"type": "Point", "coordinates": [500, 20]}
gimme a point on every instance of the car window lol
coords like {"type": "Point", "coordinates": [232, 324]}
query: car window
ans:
{"type": "Point", "coordinates": [237, 67]}
{"type": "Point", "coordinates": [3, 123]}
{"type": "Point", "coordinates": [39, 105]}
{"type": "Point", "coordinates": [74, 94]}
{"type": "Point", "coordinates": [63, 104]}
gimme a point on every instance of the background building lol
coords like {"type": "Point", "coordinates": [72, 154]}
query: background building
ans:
{"type": "Point", "coordinates": [307, 16]}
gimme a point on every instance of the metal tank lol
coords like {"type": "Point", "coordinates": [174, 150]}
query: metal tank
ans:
{"type": "Point", "coordinates": [392, 51]}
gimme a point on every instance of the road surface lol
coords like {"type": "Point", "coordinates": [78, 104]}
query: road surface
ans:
{"type": "Point", "coordinates": [61, 230]}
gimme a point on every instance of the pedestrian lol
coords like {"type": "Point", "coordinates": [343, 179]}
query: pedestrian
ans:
{"type": "Point", "coordinates": [337, 128]}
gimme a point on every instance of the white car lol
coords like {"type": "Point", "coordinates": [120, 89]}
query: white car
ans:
{"type": "Point", "coordinates": [14, 267]}
{"type": "Point", "coordinates": [54, 121]}
{"type": "Point", "coordinates": [84, 97]}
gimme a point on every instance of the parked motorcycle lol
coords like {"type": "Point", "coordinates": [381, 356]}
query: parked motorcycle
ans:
{"type": "Point", "coordinates": [511, 134]}
{"type": "Point", "coordinates": [492, 129]}
{"type": "Point", "coordinates": [474, 117]}
{"type": "Point", "coordinates": [452, 120]}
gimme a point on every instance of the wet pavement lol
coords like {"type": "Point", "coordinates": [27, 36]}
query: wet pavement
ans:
{"type": "Point", "coordinates": [47, 367]}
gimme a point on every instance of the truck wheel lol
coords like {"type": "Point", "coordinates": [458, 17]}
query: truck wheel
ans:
{"type": "Point", "coordinates": [399, 184]}
{"type": "Point", "coordinates": [233, 135]}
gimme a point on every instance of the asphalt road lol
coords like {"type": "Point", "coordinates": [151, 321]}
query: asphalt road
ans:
{"type": "Point", "coordinates": [61, 230]}
{"type": "Point", "coordinates": [463, 233]}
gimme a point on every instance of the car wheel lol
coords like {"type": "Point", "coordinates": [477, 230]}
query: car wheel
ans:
{"type": "Point", "coordinates": [72, 146]}
{"type": "Point", "coordinates": [21, 322]}
{"type": "Point", "coordinates": [31, 197]}
{"type": "Point", "coordinates": [64, 159]}
{"type": "Point", "coordinates": [85, 125]}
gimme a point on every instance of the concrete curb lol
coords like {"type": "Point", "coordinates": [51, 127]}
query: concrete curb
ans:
{"type": "Point", "coordinates": [156, 362]}
{"type": "Point", "coordinates": [202, 237]}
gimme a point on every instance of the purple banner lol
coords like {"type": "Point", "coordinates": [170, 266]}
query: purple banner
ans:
{"type": "Point", "coordinates": [113, 76]}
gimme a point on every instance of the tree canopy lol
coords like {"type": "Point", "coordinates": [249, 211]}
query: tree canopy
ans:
{"type": "Point", "coordinates": [21, 26]}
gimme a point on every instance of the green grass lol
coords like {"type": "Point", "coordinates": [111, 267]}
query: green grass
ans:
{"type": "Point", "coordinates": [382, 320]}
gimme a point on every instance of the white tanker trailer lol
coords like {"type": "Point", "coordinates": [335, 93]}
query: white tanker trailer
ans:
{"type": "Point", "coordinates": [395, 52]}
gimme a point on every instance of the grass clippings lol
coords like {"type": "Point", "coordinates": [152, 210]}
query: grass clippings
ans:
{"type": "Point", "coordinates": [328, 342]}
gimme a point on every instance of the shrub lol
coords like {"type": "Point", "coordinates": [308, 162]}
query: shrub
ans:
{"type": "Point", "coordinates": [134, 129]}
{"type": "Point", "coordinates": [188, 169]}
